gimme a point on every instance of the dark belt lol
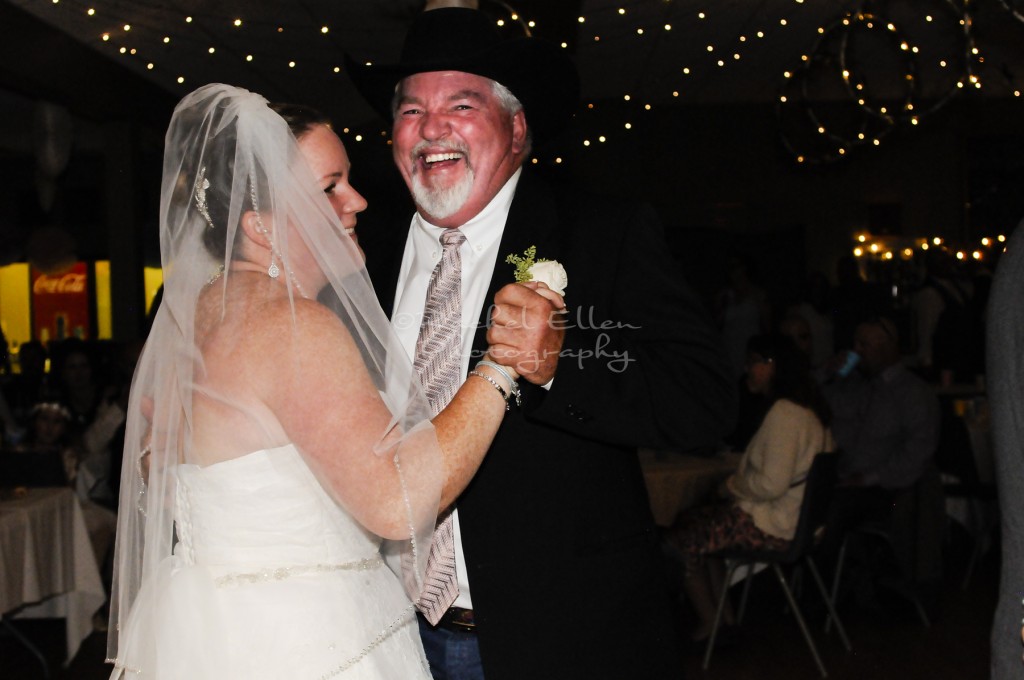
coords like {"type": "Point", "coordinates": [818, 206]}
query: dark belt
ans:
{"type": "Point", "coordinates": [458, 620]}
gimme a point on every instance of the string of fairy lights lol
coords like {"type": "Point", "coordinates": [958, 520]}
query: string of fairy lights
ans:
{"type": "Point", "coordinates": [885, 248]}
{"type": "Point", "coordinates": [835, 99]}
{"type": "Point", "coordinates": [864, 75]}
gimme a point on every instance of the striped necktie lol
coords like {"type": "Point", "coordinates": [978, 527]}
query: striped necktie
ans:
{"type": "Point", "coordinates": [439, 366]}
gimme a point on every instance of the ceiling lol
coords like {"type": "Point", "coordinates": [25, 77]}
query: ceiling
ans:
{"type": "Point", "coordinates": [632, 53]}
{"type": "Point", "coordinates": [113, 61]}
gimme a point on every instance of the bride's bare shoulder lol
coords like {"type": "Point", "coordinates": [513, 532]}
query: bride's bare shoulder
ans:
{"type": "Point", "coordinates": [304, 349]}
{"type": "Point", "coordinates": [253, 322]}
{"type": "Point", "coordinates": [308, 326]}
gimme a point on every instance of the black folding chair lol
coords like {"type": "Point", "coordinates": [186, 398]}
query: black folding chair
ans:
{"type": "Point", "coordinates": [900, 547]}
{"type": "Point", "coordinates": [820, 483]}
{"type": "Point", "coordinates": [955, 458]}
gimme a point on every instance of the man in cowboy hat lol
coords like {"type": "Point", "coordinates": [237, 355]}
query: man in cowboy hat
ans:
{"type": "Point", "coordinates": [557, 557]}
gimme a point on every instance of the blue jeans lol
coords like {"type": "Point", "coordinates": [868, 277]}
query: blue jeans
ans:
{"type": "Point", "coordinates": [452, 655]}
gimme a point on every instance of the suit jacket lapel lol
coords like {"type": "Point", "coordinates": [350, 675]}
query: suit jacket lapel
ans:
{"type": "Point", "coordinates": [532, 219]}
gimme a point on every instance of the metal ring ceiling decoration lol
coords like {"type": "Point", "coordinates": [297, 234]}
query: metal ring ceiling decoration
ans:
{"type": "Point", "coordinates": [866, 77]}
{"type": "Point", "coordinates": [821, 117]}
{"type": "Point", "coordinates": [1014, 7]}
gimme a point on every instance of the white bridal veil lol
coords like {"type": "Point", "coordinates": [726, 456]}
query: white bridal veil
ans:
{"type": "Point", "coordinates": [228, 153]}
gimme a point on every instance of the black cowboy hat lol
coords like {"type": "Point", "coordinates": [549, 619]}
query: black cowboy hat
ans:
{"type": "Point", "coordinates": [541, 76]}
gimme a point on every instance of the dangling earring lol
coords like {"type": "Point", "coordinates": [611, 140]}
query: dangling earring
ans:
{"type": "Point", "coordinates": [273, 271]}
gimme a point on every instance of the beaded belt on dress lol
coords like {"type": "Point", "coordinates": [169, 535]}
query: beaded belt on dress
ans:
{"type": "Point", "coordinates": [282, 573]}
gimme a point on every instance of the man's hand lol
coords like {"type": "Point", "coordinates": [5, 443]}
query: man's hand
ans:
{"type": "Point", "coordinates": [145, 454]}
{"type": "Point", "coordinates": [527, 330]}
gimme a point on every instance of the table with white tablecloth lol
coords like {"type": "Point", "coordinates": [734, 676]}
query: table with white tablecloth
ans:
{"type": "Point", "coordinates": [676, 481]}
{"type": "Point", "coordinates": [47, 565]}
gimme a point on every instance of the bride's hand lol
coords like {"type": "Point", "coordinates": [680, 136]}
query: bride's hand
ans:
{"type": "Point", "coordinates": [488, 356]}
{"type": "Point", "coordinates": [543, 290]}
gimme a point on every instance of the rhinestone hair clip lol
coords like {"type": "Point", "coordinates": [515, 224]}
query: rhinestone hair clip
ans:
{"type": "Point", "coordinates": [202, 184]}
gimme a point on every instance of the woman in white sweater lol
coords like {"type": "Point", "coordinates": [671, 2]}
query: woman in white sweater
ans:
{"type": "Point", "coordinates": [765, 492]}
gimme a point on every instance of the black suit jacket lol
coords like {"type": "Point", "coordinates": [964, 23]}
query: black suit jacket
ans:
{"type": "Point", "coordinates": [561, 550]}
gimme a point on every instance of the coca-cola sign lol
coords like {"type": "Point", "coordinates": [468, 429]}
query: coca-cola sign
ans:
{"type": "Point", "coordinates": [60, 304]}
{"type": "Point", "coordinates": [71, 282]}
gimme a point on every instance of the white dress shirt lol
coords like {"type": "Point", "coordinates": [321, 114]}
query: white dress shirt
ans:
{"type": "Point", "coordinates": [479, 255]}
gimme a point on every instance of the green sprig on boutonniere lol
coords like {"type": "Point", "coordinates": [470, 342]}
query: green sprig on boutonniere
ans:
{"type": "Point", "coordinates": [531, 268]}
{"type": "Point", "coordinates": [523, 263]}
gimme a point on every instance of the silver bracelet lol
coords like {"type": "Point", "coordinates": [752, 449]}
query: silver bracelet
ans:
{"type": "Point", "coordinates": [512, 384]}
{"type": "Point", "coordinates": [501, 390]}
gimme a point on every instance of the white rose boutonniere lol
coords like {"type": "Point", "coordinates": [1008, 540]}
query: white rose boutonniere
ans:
{"type": "Point", "coordinates": [548, 272]}
{"type": "Point", "coordinates": [552, 273]}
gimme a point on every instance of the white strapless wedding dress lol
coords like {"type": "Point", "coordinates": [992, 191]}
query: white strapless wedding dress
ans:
{"type": "Point", "coordinates": [271, 579]}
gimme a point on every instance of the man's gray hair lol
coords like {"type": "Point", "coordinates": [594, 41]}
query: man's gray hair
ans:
{"type": "Point", "coordinates": [508, 101]}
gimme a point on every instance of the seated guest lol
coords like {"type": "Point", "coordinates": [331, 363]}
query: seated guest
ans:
{"type": "Point", "coordinates": [949, 320]}
{"type": "Point", "coordinates": [5, 356]}
{"type": "Point", "coordinates": [38, 458]}
{"type": "Point", "coordinates": [885, 418]}
{"type": "Point", "coordinates": [753, 401]}
{"type": "Point", "coordinates": [767, 488]}
{"type": "Point", "coordinates": [798, 329]}
{"type": "Point", "coordinates": [10, 430]}
{"type": "Point", "coordinates": [50, 434]}
{"type": "Point", "coordinates": [96, 414]}
{"type": "Point", "coordinates": [30, 385]}
{"type": "Point", "coordinates": [47, 435]}
{"type": "Point", "coordinates": [813, 305]}
{"type": "Point", "coordinates": [743, 310]}
{"type": "Point", "coordinates": [75, 380]}
{"type": "Point", "coordinates": [886, 421]}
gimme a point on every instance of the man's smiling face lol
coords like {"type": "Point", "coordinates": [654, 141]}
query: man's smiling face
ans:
{"type": "Point", "coordinates": [455, 144]}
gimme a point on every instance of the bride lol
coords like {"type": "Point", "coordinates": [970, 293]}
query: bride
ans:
{"type": "Point", "coordinates": [283, 469]}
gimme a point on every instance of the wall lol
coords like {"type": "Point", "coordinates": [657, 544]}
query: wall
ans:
{"type": "Point", "coordinates": [720, 177]}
